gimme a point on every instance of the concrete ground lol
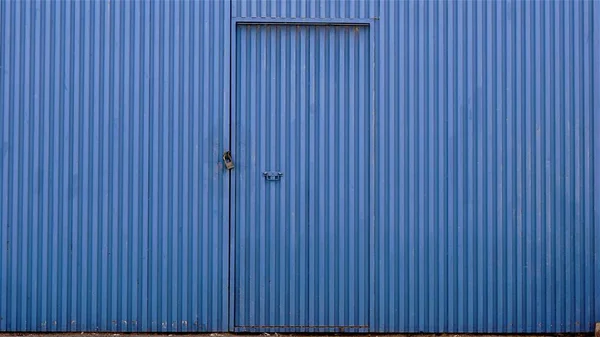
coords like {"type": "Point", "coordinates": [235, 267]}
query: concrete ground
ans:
{"type": "Point", "coordinates": [109, 334]}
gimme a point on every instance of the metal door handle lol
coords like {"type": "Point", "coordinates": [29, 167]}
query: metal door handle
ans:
{"type": "Point", "coordinates": [272, 175]}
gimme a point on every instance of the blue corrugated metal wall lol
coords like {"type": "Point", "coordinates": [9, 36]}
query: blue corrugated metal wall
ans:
{"type": "Point", "coordinates": [305, 9]}
{"type": "Point", "coordinates": [115, 209]}
{"type": "Point", "coordinates": [485, 203]}
{"type": "Point", "coordinates": [114, 202]}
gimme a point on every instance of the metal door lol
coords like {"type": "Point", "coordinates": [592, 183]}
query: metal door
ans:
{"type": "Point", "coordinates": [301, 179]}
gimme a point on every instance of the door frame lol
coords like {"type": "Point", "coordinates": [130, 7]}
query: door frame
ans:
{"type": "Point", "coordinates": [233, 120]}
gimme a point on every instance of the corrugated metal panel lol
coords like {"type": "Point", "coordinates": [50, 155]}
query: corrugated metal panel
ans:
{"type": "Point", "coordinates": [113, 196]}
{"type": "Point", "coordinates": [304, 8]}
{"type": "Point", "coordinates": [485, 208]}
{"type": "Point", "coordinates": [301, 245]}
{"type": "Point", "coordinates": [487, 182]}
{"type": "Point", "coordinates": [594, 39]}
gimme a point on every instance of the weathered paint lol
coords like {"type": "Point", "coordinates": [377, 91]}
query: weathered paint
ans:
{"type": "Point", "coordinates": [484, 185]}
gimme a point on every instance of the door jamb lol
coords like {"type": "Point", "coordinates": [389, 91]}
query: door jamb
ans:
{"type": "Point", "coordinates": [235, 22]}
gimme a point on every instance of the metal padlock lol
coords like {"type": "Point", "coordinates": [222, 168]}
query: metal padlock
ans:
{"type": "Point", "coordinates": [228, 160]}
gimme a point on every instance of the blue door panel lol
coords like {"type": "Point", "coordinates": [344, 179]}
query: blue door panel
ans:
{"type": "Point", "coordinates": [302, 110]}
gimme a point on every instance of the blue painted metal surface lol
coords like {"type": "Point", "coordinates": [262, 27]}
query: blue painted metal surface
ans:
{"type": "Point", "coordinates": [114, 204]}
{"type": "Point", "coordinates": [304, 9]}
{"type": "Point", "coordinates": [301, 243]}
{"type": "Point", "coordinates": [485, 185]}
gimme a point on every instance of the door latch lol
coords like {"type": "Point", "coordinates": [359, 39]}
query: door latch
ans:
{"type": "Point", "coordinates": [228, 160]}
{"type": "Point", "coordinates": [272, 176]}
